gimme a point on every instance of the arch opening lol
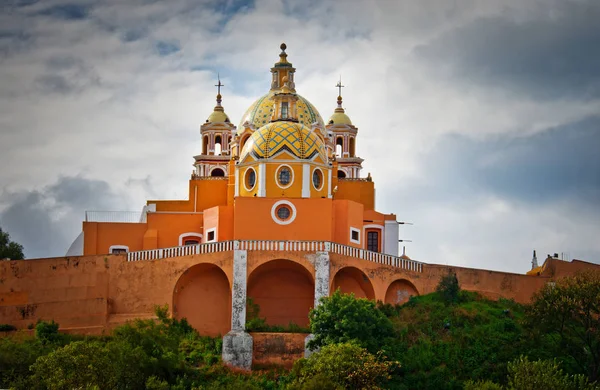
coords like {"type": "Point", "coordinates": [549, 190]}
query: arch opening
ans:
{"type": "Point", "coordinates": [284, 290]}
{"type": "Point", "coordinates": [202, 295]}
{"type": "Point", "coordinates": [339, 146]}
{"type": "Point", "coordinates": [205, 144]}
{"type": "Point", "coordinates": [352, 280]}
{"type": "Point", "coordinates": [341, 174]}
{"type": "Point", "coordinates": [400, 291]}
{"type": "Point", "coordinates": [218, 146]}
{"type": "Point", "coordinates": [351, 146]}
{"type": "Point", "coordinates": [217, 172]}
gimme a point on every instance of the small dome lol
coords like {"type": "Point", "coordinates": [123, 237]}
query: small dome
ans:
{"type": "Point", "coordinates": [260, 112]}
{"type": "Point", "coordinates": [339, 118]}
{"type": "Point", "coordinates": [218, 116]}
{"type": "Point", "coordinates": [276, 137]}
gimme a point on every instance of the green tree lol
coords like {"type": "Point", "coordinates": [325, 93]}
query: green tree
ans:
{"type": "Point", "coordinates": [10, 249]}
{"type": "Point", "coordinates": [568, 314]}
{"type": "Point", "coordinates": [342, 318]}
{"type": "Point", "coordinates": [544, 374]}
{"type": "Point", "coordinates": [448, 288]}
{"type": "Point", "coordinates": [344, 365]}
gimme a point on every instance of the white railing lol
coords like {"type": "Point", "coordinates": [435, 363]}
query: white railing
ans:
{"type": "Point", "coordinates": [267, 245]}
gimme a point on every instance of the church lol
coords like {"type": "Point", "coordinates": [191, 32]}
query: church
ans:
{"type": "Point", "coordinates": [278, 211]}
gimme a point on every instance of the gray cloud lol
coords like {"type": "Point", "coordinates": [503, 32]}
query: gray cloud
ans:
{"type": "Point", "coordinates": [550, 55]}
{"type": "Point", "coordinates": [46, 221]}
{"type": "Point", "coordinates": [67, 11]}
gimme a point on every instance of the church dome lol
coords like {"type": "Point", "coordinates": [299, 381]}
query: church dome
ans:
{"type": "Point", "coordinates": [275, 137]}
{"type": "Point", "coordinates": [339, 118]}
{"type": "Point", "coordinates": [218, 116]}
{"type": "Point", "coordinates": [260, 112]}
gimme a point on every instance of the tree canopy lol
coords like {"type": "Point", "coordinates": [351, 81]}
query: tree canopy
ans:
{"type": "Point", "coordinates": [9, 249]}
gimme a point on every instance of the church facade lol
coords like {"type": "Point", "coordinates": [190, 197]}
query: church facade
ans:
{"type": "Point", "coordinates": [278, 211]}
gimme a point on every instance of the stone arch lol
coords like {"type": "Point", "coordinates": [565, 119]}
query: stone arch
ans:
{"type": "Point", "coordinates": [353, 280]}
{"type": "Point", "coordinates": [400, 291]}
{"type": "Point", "coordinates": [284, 291]}
{"type": "Point", "coordinates": [203, 296]}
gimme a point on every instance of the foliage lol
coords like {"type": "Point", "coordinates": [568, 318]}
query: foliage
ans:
{"type": "Point", "coordinates": [448, 288]}
{"type": "Point", "coordinates": [81, 364]}
{"type": "Point", "coordinates": [256, 323]}
{"type": "Point", "coordinates": [482, 385]}
{"type": "Point", "coordinates": [482, 337]}
{"type": "Point", "coordinates": [7, 328]}
{"type": "Point", "coordinates": [544, 374]}
{"type": "Point", "coordinates": [10, 249]}
{"type": "Point", "coordinates": [342, 318]}
{"type": "Point", "coordinates": [47, 332]}
{"type": "Point", "coordinates": [566, 316]}
{"type": "Point", "coordinates": [346, 365]}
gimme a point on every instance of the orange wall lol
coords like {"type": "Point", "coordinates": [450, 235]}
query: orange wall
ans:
{"type": "Point", "coordinates": [221, 218]}
{"type": "Point", "coordinates": [347, 214]}
{"type": "Point", "coordinates": [170, 226]}
{"type": "Point", "coordinates": [358, 191]}
{"type": "Point", "coordinates": [252, 220]}
{"type": "Point", "coordinates": [98, 237]}
{"type": "Point", "coordinates": [208, 193]}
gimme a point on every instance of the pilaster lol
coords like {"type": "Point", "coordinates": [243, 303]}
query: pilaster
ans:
{"type": "Point", "coordinates": [321, 289]}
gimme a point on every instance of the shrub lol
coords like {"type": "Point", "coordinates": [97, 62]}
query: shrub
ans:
{"type": "Point", "coordinates": [342, 318]}
{"type": "Point", "coordinates": [345, 365]}
{"type": "Point", "coordinates": [7, 328]}
{"type": "Point", "coordinates": [544, 374]}
{"type": "Point", "coordinates": [448, 288]}
{"type": "Point", "coordinates": [482, 385]}
{"type": "Point", "coordinates": [47, 332]}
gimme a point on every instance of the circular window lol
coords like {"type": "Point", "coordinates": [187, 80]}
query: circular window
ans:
{"type": "Point", "coordinates": [317, 179]}
{"type": "Point", "coordinates": [284, 176]}
{"type": "Point", "coordinates": [249, 179]}
{"type": "Point", "coordinates": [283, 212]}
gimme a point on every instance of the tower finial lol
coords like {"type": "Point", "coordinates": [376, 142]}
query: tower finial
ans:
{"type": "Point", "coordinates": [219, 85]}
{"type": "Point", "coordinates": [339, 86]}
{"type": "Point", "coordinates": [534, 261]}
{"type": "Point", "coordinates": [283, 54]}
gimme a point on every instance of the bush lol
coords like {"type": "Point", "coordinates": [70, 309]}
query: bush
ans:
{"type": "Point", "coordinates": [482, 385]}
{"type": "Point", "coordinates": [346, 365]}
{"type": "Point", "coordinates": [544, 374]}
{"type": "Point", "coordinates": [7, 328]}
{"type": "Point", "coordinates": [448, 288]}
{"type": "Point", "coordinates": [342, 318]}
{"type": "Point", "coordinates": [47, 332]}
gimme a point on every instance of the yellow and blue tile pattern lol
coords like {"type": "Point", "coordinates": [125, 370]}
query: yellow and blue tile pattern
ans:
{"type": "Point", "coordinates": [295, 138]}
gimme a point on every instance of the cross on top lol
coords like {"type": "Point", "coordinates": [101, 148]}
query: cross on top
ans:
{"type": "Point", "coordinates": [340, 86]}
{"type": "Point", "coordinates": [219, 85]}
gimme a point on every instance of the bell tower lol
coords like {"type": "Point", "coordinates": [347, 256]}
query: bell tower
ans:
{"type": "Point", "coordinates": [217, 134]}
{"type": "Point", "coordinates": [343, 138]}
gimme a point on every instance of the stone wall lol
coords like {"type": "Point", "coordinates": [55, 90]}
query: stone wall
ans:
{"type": "Point", "coordinates": [277, 349]}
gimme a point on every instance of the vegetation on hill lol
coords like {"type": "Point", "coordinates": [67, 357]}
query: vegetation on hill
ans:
{"type": "Point", "coordinates": [450, 339]}
{"type": "Point", "coordinates": [9, 249]}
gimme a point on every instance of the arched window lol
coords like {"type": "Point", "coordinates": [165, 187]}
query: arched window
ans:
{"type": "Point", "coordinates": [218, 142]}
{"type": "Point", "coordinates": [339, 146]}
{"type": "Point", "coordinates": [190, 238]}
{"type": "Point", "coordinates": [205, 144]}
{"type": "Point", "coordinates": [217, 172]}
{"type": "Point", "coordinates": [341, 174]}
{"type": "Point", "coordinates": [351, 146]}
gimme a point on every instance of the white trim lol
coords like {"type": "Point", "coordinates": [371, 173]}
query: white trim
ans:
{"type": "Point", "coordinates": [262, 180]}
{"type": "Point", "coordinates": [329, 194]}
{"type": "Point", "coordinates": [189, 234]}
{"type": "Point", "coordinates": [322, 179]}
{"type": "Point", "coordinates": [211, 230]}
{"type": "Point", "coordinates": [274, 215]}
{"type": "Point", "coordinates": [291, 176]}
{"type": "Point", "coordinates": [244, 179]}
{"type": "Point", "coordinates": [305, 181]}
{"type": "Point", "coordinates": [237, 182]}
{"type": "Point", "coordinates": [353, 229]}
{"type": "Point", "coordinates": [374, 226]}
{"type": "Point", "coordinates": [110, 249]}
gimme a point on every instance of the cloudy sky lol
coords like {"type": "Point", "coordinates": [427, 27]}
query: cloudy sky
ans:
{"type": "Point", "coordinates": [478, 120]}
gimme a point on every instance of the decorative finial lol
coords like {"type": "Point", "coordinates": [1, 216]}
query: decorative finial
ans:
{"type": "Point", "coordinates": [404, 251]}
{"type": "Point", "coordinates": [219, 85]}
{"type": "Point", "coordinates": [283, 54]}
{"type": "Point", "coordinates": [339, 86]}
